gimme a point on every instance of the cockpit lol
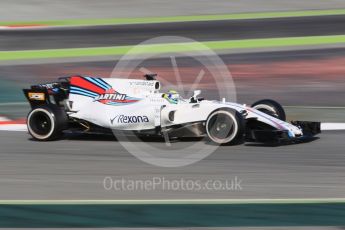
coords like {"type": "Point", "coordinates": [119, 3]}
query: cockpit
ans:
{"type": "Point", "coordinates": [175, 98]}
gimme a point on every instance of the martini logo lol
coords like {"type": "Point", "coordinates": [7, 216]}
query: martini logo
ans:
{"type": "Point", "coordinates": [111, 96]}
{"type": "Point", "coordinates": [123, 119]}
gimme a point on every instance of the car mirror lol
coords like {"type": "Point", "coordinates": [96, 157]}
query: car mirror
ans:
{"type": "Point", "coordinates": [194, 98]}
{"type": "Point", "coordinates": [196, 93]}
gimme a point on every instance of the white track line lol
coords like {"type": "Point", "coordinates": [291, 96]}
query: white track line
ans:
{"type": "Point", "coordinates": [4, 119]}
{"type": "Point", "coordinates": [13, 127]}
{"type": "Point", "coordinates": [22, 27]}
{"type": "Point", "coordinates": [332, 126]}
{"type": "Point", "coordinates": [181, 201]}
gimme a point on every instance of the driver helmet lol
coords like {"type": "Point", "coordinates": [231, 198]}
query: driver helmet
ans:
{"type": "Point", "coordinates": [172, 96]}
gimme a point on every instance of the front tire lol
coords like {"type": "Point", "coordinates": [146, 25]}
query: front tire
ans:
{"type": "Point", "coordinates": [271, 108]}
{"type": "Point", "coordinates": [46, 122]}
{"type": "Point", "coordinates": [225, 127]}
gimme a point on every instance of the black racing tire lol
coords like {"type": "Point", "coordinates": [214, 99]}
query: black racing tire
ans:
{"type": "Point", "coordinates": [271, 108]}
{"type": "Point", "coordinates": [225, 127]}
{"type": "Point", "coordinates": [46, 123]}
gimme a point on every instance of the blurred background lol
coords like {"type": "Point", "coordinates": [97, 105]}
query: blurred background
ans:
{"type": "Point", "coordinates": [307, 75]}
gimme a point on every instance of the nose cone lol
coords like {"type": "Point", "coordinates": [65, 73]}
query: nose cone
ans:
{"type": "Point", "coordinates": [296, 131]}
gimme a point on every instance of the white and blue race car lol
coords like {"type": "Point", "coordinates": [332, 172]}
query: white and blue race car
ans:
{"type": "Point", "coordinates": [103, 105]}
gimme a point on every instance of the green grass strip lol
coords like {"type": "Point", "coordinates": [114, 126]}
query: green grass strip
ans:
{"type": "Point", "coordinates": [171, 215]}
{"type": "Point", "coordinates": [234, 16]}
{"type": "Point", "coordinates": [171, 47]}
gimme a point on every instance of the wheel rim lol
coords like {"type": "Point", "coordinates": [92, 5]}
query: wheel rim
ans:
{"type": "Point", "coordinates": [222, 127]}
{"type": "Point", "coordinates": [40, 123]}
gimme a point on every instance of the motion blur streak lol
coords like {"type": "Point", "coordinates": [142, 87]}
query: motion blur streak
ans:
{"type": "Point", "coordinates": [292, 77]}
{"type": "Point", "coordinates": [118, 35]}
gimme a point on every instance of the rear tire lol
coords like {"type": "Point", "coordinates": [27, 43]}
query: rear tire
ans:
{"type": "Point", "coordinates": [225, 127]}
{"type": "Point", "coordinates": [271, 108]}
{"type": "Point", "coordinates": [46, 122]}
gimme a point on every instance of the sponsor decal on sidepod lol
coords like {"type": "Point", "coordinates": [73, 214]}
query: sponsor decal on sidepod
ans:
{"type": "Point", "coordinates": [123, 119]}
{"type": "Point", "coordinates": [100, 91]}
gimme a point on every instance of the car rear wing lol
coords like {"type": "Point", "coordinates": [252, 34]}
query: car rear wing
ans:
{"type": "Point", "coordinates": [49, 93]}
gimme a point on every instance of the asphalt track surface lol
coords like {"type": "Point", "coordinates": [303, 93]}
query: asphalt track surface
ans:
{"type": "Point", "coordinates": [96, 36]}
{"type": "Point", "coordinates": [75, 167]}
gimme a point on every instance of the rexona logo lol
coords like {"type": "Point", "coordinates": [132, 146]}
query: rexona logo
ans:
{"type": "Point", "coordinates": [122, 119]}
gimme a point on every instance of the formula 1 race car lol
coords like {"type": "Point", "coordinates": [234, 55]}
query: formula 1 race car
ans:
{"type": "Point", "coordinates": [99, 105]}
